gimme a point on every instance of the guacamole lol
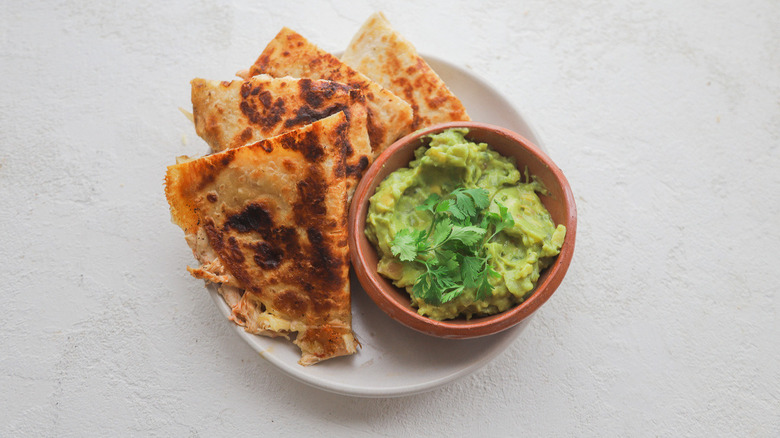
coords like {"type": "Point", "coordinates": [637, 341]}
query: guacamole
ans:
{"type": "Point", "coordinates": [518, 253]}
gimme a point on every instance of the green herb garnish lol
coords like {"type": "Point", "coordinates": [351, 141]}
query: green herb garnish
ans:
{"type": "Point", "coordinates": [452, 250]}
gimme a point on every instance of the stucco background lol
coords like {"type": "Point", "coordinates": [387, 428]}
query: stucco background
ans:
{"type": "Point", "coordinates": [664, 115]}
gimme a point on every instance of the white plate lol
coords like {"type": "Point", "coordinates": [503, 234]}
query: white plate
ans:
{"type": "Point", "coordinates": [395, 360]}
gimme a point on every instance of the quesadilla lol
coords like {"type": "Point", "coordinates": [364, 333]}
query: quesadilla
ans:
{"type": "Point", "coordinates": [230, 114]}
{"type": "Point", "coordinates": [290, 54]}
{"type": "Point", "coordinates": [267, 222]}
{"type": "Point", "coordinates": [381, 53]}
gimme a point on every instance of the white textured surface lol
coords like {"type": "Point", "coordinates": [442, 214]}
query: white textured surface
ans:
{"type": "Point", "coordinates": [664, 115]}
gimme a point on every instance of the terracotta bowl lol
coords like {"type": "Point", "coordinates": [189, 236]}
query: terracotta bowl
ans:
{"type": "Point", "coordinates": [394, 301]}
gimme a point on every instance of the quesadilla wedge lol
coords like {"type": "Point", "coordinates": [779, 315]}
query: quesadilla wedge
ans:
{"type": "Point", "coordinates": [229, 114]}
{"type": "Point", "coordinates": [381, 53]}
{"type": "Point", "coordinates": [267, 222]}
{"type": "Point", "coordinates": [290, 54]}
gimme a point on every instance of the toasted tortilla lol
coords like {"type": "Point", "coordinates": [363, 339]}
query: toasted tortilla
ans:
{"type": "Point", "coordinates": [381, 53]}
{"type": "Point", "coordinates": [267, 222]}
{"type": "Point", "coordinates": [290, 54]}
{"type": "Point", "coordinates": [230, 114]}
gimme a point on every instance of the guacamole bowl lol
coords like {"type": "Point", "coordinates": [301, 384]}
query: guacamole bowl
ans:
{"type": "Point", "coordinates": [395, 301]}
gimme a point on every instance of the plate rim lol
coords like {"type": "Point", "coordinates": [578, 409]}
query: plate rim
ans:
{"type": "Point", "coordinates": [361, 391]}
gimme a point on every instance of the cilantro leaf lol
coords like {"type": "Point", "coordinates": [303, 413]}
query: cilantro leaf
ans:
{"type": "Point", "coordinates": [408, 244]}
{"type": "Point", "coordinates": [481, 197]}
{"type": "Point", "coordinates": [429, 204]}
{"type": "Point", "coordinates": [469, 202]}
{"type": "Point", "coordinates": [421, 238]}
{"type": "Point", "coordinates": [442, 206]}
{"type": "Point", "coordinates": [471, 269]}
{"type": "Point", "coordinates": [501, 220]}
{"type": "Point", "coordinates": [441, 232]}
{"type": "Point", "coordinates": [449, 262]}
{"type": "Point", "coordinates": [404, 245]}
{"type": "Point", "coordinates": [506, 218]}
{"type": "Point", "coordinates": [452, 294]}
{"type": "Point", "coordinates": [455, 211]}
{"type": "Point", "coordinates": [468, 235]}
{"type": "Point", "coordinates": [423, 289]}
{"type": "Point", "coordinates": [484, 288]}
{"type": "Point", "coordinates": [463, 204]}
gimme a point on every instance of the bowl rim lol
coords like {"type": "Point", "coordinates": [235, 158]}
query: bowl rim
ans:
{"type": "Point", "coordinates": [456, 329]}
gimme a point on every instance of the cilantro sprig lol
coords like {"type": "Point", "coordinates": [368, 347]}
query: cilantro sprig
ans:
{"type": "Point", "coordinates": [452, 250]}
